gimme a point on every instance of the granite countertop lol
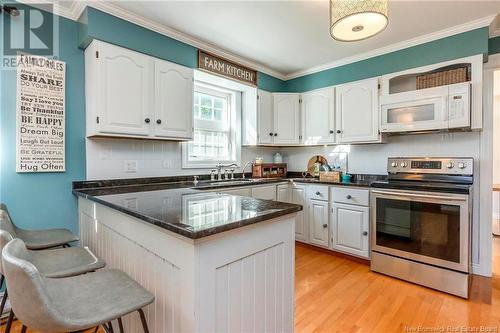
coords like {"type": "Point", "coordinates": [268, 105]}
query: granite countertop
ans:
{"type": "Point", "coordinates": [194, 210]}
{"type": "Point", "coordinates": [187, 211]}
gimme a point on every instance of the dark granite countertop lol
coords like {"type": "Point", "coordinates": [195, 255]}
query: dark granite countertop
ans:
{"type": "Point", "coordinates": [194, 210]}
{"type": "Point", "coordinates": [186, 211]}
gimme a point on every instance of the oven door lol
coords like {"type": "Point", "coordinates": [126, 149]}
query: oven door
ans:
{"type": "Point", "coordinates": [430, 228]}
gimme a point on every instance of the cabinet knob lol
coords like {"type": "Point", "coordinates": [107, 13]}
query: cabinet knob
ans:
{"type": "Point", "coordinates": [318, 193]}
{"type": "Point", "coordinates": [348, 196]}
{"type": "Point", "coordinates": [365, 233]}
{"type": "Point", "coordinates": [339, 131]}
{"type": "Point", "coordinates": [275, 134]}
{"type": "Point", "coordinates": [331, 132]}
{"type": "Point", "coordinates": [325, 225]}
{"type": "Point", "coordinates": [271, 134]}
{"type": "Point", "coordinates": [158, 121]}
{"type": "Point", "coordinates": [147, 120]}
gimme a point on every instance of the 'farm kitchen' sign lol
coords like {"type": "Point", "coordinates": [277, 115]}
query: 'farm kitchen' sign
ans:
{"type": "Point", "coordinates": [217, 65]}
{"type": "Point", "coordinates": [40, 114]}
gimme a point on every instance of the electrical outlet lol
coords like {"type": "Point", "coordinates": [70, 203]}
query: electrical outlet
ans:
{"type": "Point", "coordinates": [130, 166]}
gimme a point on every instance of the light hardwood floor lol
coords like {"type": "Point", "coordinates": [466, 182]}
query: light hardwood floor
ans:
{"type": "Point", "coordinates": [336, 293]}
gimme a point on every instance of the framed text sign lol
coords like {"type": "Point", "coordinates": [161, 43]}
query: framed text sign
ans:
{"type": "Point", "coordinates": [226, 68]}
{"type": "Point", "coordinates": [40, 120]}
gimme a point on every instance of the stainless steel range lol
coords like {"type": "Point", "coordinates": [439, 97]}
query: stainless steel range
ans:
{"type": "Point", "coordinates": [421, 221]}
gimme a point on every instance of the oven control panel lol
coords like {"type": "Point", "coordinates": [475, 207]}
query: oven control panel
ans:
{"type": "Point", "coordinates": [436, 165]}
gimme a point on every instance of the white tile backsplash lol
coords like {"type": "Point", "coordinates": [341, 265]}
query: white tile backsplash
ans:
{"type": "Point", "coordinates": [108, 158]}
{"type": "Point", "coordinates": [372, 158]}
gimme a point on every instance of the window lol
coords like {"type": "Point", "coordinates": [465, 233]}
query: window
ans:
{"type": "Point", "coordinates": [214, 128]}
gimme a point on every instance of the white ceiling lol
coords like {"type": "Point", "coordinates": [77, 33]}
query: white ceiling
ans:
{"type": "Point", "coordinates": [293, 36]}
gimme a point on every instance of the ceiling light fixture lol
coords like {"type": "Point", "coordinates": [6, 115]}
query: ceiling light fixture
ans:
{"type": "Point", "coordinates": [353, 20]}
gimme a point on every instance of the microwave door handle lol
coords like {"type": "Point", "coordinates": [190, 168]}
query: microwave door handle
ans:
{"type": "Point", "coordinates": [436, 197]}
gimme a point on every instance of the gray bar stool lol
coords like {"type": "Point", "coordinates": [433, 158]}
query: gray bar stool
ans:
{"type": "Point", "coordinates": [55, 263]}
{"type": "Point", "coordinates": [73, 303]}
{"type": "Point", "coordinates": [36, 239]}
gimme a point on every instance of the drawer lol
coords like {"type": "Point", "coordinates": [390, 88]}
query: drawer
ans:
{"type": "Point", "coordinates": [351, 196]}
{"type": "Point", "coordinates": [317, 192]}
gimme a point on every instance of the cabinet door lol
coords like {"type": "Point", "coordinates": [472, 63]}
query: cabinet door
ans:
{"type": "Point", "coordinates": [264, 192]}
{"type": "Point", "coordinates": [126, 79]}
{"type": "Point", "coordinates": [318, 117]}
{"type": "Point", "coordinates": [357, 112]}
{"type": "Point", "coordinates": [350, 229]}
{"type": "Point", "coordinates": [318, 222]}
{"type": "Point", "coordinates": [243, 191]}
{"type": "Point", "coordinates": [173, 101]}
{"type": "Point", "coordinates": [286, 118]}
{"type": "Point", "coordinates": [298, 196]}
{"type": "Point", "coordinates": [265, 117]}
{"type": "Point", "coordinates": [282, 193]}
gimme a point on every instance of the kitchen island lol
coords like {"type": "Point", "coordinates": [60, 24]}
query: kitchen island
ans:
{"type": "Point", "coordinates": [215, 262]}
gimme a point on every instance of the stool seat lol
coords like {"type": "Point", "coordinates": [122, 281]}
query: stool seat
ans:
{"type": "Point", "coordinates": [66, 262]}
{"type": "Point", "coordinates": [44, 239]}
{"type": "Point", "coordinates": [112, 294]}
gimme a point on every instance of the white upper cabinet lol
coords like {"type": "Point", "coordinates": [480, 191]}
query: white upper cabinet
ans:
{"type": "Point", "coordinates": [122, 83]}
{"type": "Point", "coordinates": [173, 100]}
{"type": "Point", "coordinates": [286, 108]}
{"type": "Point", "coordinates": [265, 117]}
{"type": "Point", "coordinates": [129, 94]}
{"type": "Point", "coordinates": [357, 112]}
{"type": "Point", "coordinates": [318, 117]}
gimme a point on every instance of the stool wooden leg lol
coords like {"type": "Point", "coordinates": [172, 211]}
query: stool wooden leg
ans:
{"type": "Point", "coordinates": [23, 330]}
{"type": "Point", "coordinates": [143, 320]}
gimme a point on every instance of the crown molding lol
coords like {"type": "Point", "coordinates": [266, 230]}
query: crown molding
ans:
{"type": "Point", "coordinates": [185, 38]}
{"type": "Point", "coordinates": [495, 27]}
{"type": "Point", "coordinates": [78, 6]}
{"type": "Point", "coordinates": [482, 22]}
{"type": "Point", "coordinates": [59, 10]}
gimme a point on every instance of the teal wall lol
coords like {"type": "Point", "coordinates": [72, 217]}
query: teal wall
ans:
{"type": "Point", "coordinates": [494, 45]}
{"type": "Point", "coordinates": [44, 200]}
{"type": "Point", "coordinates": [457, 46]}
{"type": "Point", "coordinates": [95, 24]}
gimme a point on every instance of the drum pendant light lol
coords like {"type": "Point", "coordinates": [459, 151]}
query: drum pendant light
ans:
{"type": "Point", "coordinates": [353, 20]}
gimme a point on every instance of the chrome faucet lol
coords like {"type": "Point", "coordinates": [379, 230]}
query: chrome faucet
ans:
{"type": "Point", "coordinates": [243, 170]}
{"type": "Point", "coordinates": [219, 167]}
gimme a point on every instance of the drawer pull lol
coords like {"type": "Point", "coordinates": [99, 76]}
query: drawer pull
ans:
{"type": "Point", "coordinates": [348, 196]}
{"type": "Point", "coordinates": [325, 225]}
{"type": "Point", "coordinates": [318, 193]}
{"type": "Point", "coordinates": [365, 233]}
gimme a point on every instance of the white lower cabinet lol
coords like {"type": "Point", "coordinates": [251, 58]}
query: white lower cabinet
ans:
{"type": "Point", "coordinates": [349, 229]}
{"type": "Point", "coordinates": [264, 192]}
{"type": "Point", "coordinates": [298, 196]}
{"type": "Point", "coordinates": [344, 228]}
{"type": "Point", "coordinates": [283, 193]}
{"type": "Point", "coordinates": [318, 222]}
{"type": "Point", "coordinates": [243, 191]}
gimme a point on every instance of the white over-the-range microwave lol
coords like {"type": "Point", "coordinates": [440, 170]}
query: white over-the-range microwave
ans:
{"type": "Point", "coordinates": [438, 108]}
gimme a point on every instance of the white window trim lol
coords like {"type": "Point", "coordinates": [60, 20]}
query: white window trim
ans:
{"type": "Point", "coordinates": [235, 120]}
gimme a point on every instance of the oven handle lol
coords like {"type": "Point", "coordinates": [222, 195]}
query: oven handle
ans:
{"type": "Point", "coordinates": [437, 197]}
